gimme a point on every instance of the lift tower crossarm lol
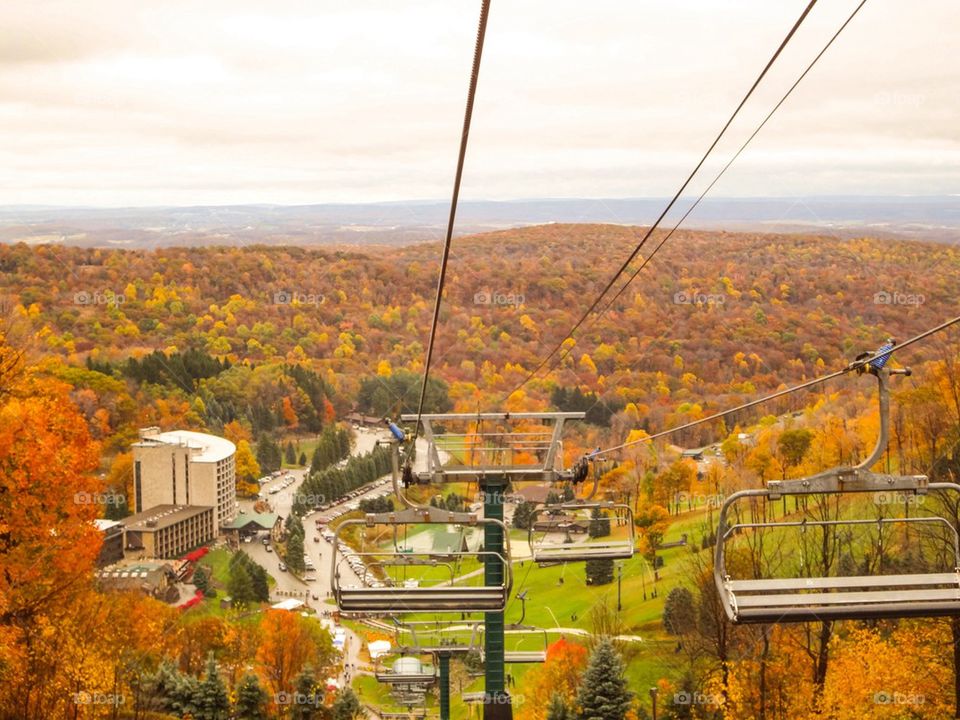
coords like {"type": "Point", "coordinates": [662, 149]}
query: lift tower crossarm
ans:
{"type": "Point", "coordinates": [493, 447]}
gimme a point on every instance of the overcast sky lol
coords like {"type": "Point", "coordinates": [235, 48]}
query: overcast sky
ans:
{"type": "Point", "coordinates": [139, 102]}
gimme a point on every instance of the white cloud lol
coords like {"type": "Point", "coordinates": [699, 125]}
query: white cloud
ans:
{"type": "Point", "coordinates": [109, 102]}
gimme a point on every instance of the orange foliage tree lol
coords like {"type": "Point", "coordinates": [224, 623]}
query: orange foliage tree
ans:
{"type": "Point", "coordinates": [559, 675]}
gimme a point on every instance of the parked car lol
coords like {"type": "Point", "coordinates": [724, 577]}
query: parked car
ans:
{"type": "Point", "coordinates": [269, 549]}
{"type": "Point", "coordinates": [283, 567]}
{"type": "Point", "coordinates": [316, 538]}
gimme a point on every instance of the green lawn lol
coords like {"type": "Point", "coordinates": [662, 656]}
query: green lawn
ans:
{"type": "Point", "coordinates": [219, 561]}
{"type": "Point", "coordinates": [302, 444]}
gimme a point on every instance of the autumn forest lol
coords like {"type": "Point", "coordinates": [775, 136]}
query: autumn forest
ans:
{"type": "Point", "coordinates": [274, 347]}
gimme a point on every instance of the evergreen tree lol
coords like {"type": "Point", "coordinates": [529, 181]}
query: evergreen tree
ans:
{"type": "Point", "coordinates": [211, 699]}
{"type": "Point", "coordinates": [269, 456]}
{"type": "Point", "coordinates": [251, 699]}
{"type": "Point", "coordinates": [599, 571]}
{"type": "Point", "coordinates": [202, 580]}
{"type": "Point", "coordinates": [599, 524]}
{"type": "Point", "coordinates": [295, 552]}
{"type": "Point", "coordinates": [240, 585]}
{"type": "Point", "coordinates": [603, 693]}
{"type": "Point", "coordinates": [293, 526]}
{"type": "Point", "coordinates": [558, 710]}
{"type": "Point", "coordinates": [302, 461]}
{"type": "Point", "coordinates": [679, 611]}
{"type": "Point", "coordinates": [309, 698]}
{"type": "Point", "coordinates": [290, 455]}
{"type": "Point", "coordinates": [523, 515]}
{"type": "Point", "coordinates": [346, 706]}
{"type": "Point", "coordinates": [261, 585]}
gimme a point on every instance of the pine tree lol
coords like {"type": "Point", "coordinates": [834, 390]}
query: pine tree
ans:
{"type": "Point", "coordinates": [679, 611]}
{"type": "Point", "coordinates": [523, 515]}
{"type": "Point", "coordinates": [240, 585]}
{"type": "Point", "coordinates": [290, 455]}
{"type": "Point", "coordinates": [201, 580]}
{"type": "Point", "coordinates": [309, 699]}
{"type": "Point", "coordinates": [302, 461]}
{"type": "Point", "coordinates": [603, 693]}
{"type": "Point", "coordinates": [251, 699]}
{"type": "Point", "coordinates": [599, 524]}
{"type": "Point", "coordinates": [346, 706]}
{"type": "Point", "coordinates": [558, 709]}
{"type": "Point", "coordinates": [268, 454]}
{"type": "Point", "coordinates": [599, 571]}
{"type": "Point", "coordinates": [261, 584]}
{"type": "Point", "coordinates": [295, 552]}
{"type": "Point", "coordinates": [211, 699]}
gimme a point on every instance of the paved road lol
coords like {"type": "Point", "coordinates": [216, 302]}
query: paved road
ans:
{"type": "Point", "coordinates": [288, 585]}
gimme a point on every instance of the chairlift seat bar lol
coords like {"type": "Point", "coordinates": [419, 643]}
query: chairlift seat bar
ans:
{"type": "Point", "coordinates": [405, 679]}
{"type": "Point", "coordinates": [521, 656]}
{"type": "Point", "coordinates": [856, 581]}
{"type": "Point", "coordinates": [819, 613]}
{"type": "Point", "coordinates": [610, 552]}
{"type": "Point", "coordinates": [451, 599]}
{"type": "Point", "coordinates": [847, 598]}
{"type": "Point", "coordinates": [436, 649]}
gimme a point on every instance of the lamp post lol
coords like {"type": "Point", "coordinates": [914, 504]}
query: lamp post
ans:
{"type": "Point", "coordinates": [653, 700]}
{"type": "Point", "coordinates": [619, 579]}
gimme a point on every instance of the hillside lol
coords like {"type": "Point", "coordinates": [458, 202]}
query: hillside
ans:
{"type": "Point", "coordinates": [718, 317]}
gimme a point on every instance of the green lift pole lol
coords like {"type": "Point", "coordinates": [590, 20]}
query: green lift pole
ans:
{"type": "Point", "coordinates": [443, 658]}
{"type": "Point", "coordinates": [496, 699]}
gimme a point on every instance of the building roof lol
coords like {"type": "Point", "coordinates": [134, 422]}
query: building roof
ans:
{"type": "Point", "coordinates": [135, 575]}
{"type": "Point", "coordinates": [207, 448]}
{"type": "Point", "coordinates": [161, 516]}
{"type": "Point", "coordinates": [291, 604]}
{"type": "Point", "coordinates": [103, 524]}
{"type": "Point", "coordinates": [265, 521]}
{"type": "Point", "coordinates": [535, 493]}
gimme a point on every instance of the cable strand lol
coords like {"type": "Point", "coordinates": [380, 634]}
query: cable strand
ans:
{"type": "Point", "coordinates": [464, 137]}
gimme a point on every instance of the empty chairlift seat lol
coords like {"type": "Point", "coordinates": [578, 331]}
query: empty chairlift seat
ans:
{"type": "Point", "coordinates": [453, 637]}
{"type": "Point", "coordinates": [552, 530]}
{"type": "Point", "coordinates": [523, 644]}
{"type": "Point", "coordinates": [413, 596]}
{"type": "Point", "coordinates": [849, 597]}
{"type": "Point", "coordinates": [406, 670]}
{"type": "Point", "coordinates": [843, 597]}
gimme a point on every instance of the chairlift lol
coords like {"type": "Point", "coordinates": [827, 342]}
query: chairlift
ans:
{"type": "Point", "coordinates": [856, 597]}
{"type": "Point", "coordinates": [537, 655]}
{"type": "Point", "coordinates": [449, 597]}
{"type": "Point", "coordinates": [437, 636]}
{"type": "Point", "coordinates": [406, 670]}
{"type": "Point", "coordinates": [532, 454]}
{"type": "Point", "coordinates": [405, 560]}
{"type": "Point", "coordinates": [547, 551]}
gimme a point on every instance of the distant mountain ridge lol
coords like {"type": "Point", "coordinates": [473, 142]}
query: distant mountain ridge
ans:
{"type": "Point", "coordinates": [935, 218]}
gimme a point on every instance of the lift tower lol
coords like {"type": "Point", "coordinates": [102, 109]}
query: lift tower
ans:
{"type": "Point", "coordinates": [493, 450]}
